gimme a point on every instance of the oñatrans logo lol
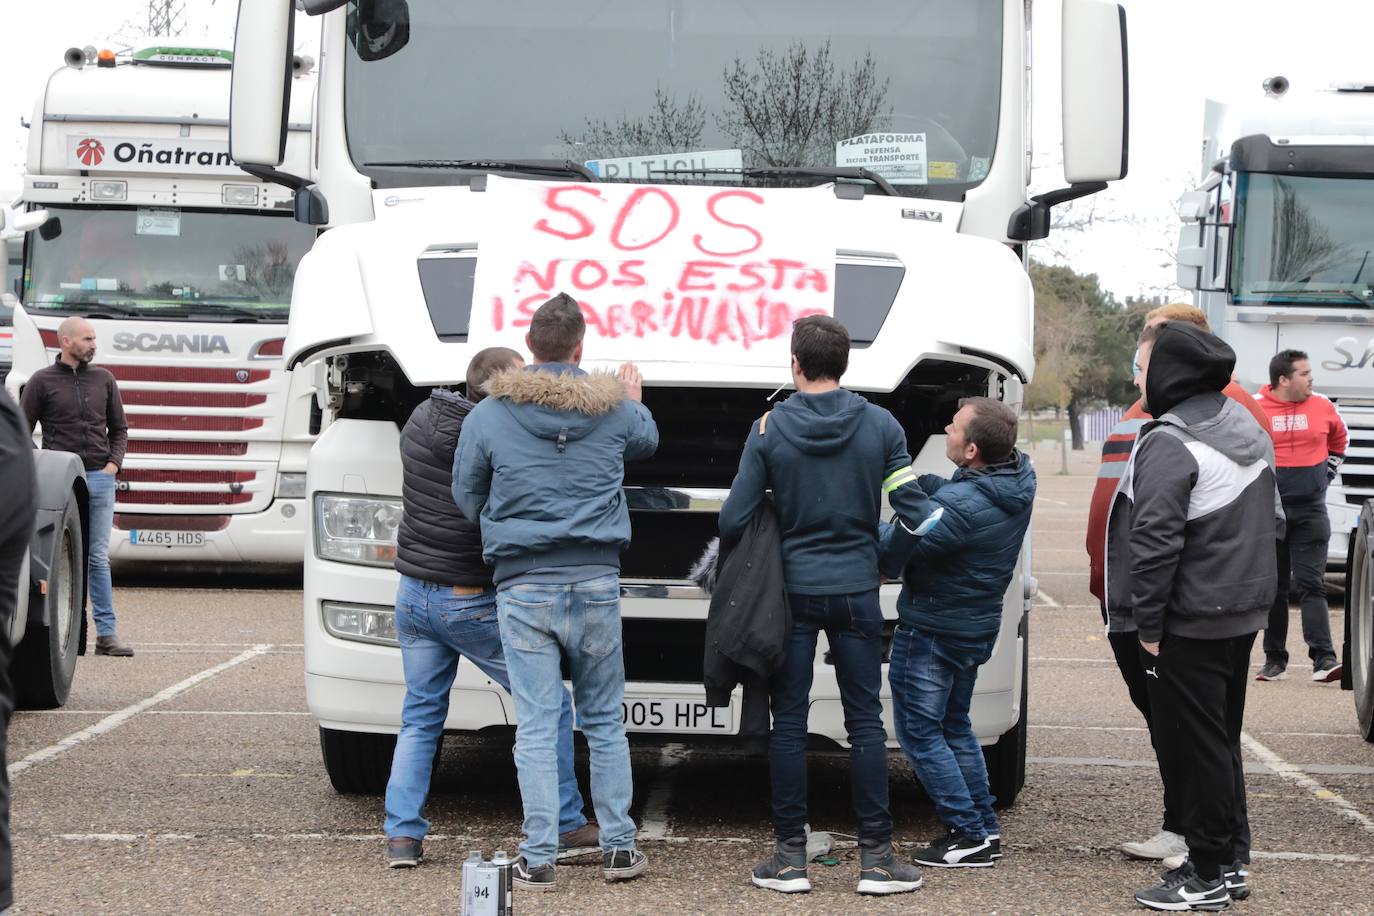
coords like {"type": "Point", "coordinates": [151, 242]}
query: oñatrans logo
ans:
{"type": "Point", "coordinates": [90, 151]}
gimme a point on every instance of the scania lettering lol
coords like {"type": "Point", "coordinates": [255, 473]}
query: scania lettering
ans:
{"type": "Point", "coordinates": [1276, 248]}
{"type": "Point", "coordinates": [450, 222]}
{"type": "Point", "coordinates": [184, 263]}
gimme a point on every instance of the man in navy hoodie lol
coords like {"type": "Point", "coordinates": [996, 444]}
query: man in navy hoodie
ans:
{"type": "Point", "coordinates": [828, 455]}
{"type": "Point", "coordinates": [956, 561]}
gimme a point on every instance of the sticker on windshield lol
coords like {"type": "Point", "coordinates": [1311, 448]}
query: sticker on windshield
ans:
{"type": "Point", "coordinates": [154, 221]}
{"type": "Point", "coordinates": [944, 171]}
{"type": "Point", "coordinates": [659, 166]}
{"type": "Point", "coordinates": [978, 168]}
{"type": "Point", "coordinates": [900, 158]}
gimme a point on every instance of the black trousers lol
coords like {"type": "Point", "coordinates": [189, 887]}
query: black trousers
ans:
{"type": "Point", "coordinates": [1126, 648]}
{"type": "Point", "coordinates": [1302, 574]}
{"type": "Point", "coordinates": [1197, 700]}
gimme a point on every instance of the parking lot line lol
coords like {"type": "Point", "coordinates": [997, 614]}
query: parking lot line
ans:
{"type": "Point", "coordinates": [116, 719]}
{"type": "Point", "coordinates": [654, 820]}
{"type": "Point", "coordinates": [1299, 775]}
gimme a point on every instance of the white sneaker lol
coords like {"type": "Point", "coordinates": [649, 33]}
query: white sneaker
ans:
{"type": "Point", "coordinates": [1162, 845]}
{"type": "Point", "coordinates": [1173, 862]}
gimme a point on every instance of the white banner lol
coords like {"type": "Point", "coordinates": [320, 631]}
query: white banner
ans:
{"type": "Point", "coordinates": [101, 153]}
{"type": "Point", "coordinates": [669, 274]}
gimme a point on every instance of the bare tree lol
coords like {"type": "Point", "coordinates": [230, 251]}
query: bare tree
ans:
{"type": "Point", "coordinates": [791, 108]}
{"type": "Point", "coordinates": [1301, 249]}
{"type": "Point", "coordinates": [668, 128]}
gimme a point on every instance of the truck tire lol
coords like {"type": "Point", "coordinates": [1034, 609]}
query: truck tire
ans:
{"type": "Point", "coordinates": [358, 763]}
{"type": "Point", "coordinates": [1359, 612]}
{"type": "Point", "coordinates": [45, 662]}
{"type": "Point", "coordinates": [1006, 759]}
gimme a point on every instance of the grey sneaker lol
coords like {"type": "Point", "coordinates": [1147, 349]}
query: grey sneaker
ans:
{"type": "Point", "coordinates": [529, 877]}
{"type": "Point", "coordinates": [785, 871]}
{"type": "Point", "coordinates": [1272, 671]}
{"type": "Point", "coordinates": [403, 852]}
{"type": "Point", "coordinates": [1237, 879]}
{"type": "Point", "coordinates": [623, 864]}
{"type": "Point", "coordinates": [1162, 845]}
{"type": "Point", "coordinates": [881, 873]}
{"type": "Point", "coordinates": [1183, 889]}
{"type": "Point", "coordinates": [1326, 670]}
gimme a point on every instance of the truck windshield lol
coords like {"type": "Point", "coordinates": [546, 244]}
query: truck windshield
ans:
{"type": "Point", "coordinates": [679, 90]}
{"type": "Point", "coordinates": [165, 263]}
{"type": "Point", "coordinates": [1304, 240]}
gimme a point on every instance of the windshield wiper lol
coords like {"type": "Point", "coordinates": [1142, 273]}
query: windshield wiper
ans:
{"type": "Point", "coordinates": [86, 309]}
{"type": "Point", "coordinates": [793, 171]}
{"type": "Point", "coordinates": [527, 166]}
{"type": "Point", "coordinates": [1327, 294]}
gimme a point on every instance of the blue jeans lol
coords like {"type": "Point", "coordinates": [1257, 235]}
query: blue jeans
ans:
{"type": "Point", "coordinates": [932, 685]}
{"type": "Point", "coordinates": [435, 628]}
{"type": "Point", "coordinates": [540, 626]}
{"type": "Point", "coordinates": [102, 492]}
{"type": "Point", "coordinates": [854, 626]}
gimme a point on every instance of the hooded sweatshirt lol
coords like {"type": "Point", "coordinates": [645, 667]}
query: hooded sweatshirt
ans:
{"type": "Point", "coordinates": [435, 541]}
{"type": "Point", "coordinates": [541, 462]}
{"type": "Point", "coordinates": [1191, 530]}
{"type": "Point", "coordinates": [957, 560]}
{"type": "Point", "coordinates": [1308, 434]}
{"type": "Point", "coordinates": [828, 458]}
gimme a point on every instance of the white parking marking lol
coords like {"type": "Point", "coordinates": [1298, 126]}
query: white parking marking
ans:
{"type": "Point", "coordinates": [1046, 600]}
{"type": "Point", "coordinates": [116, 719]}
{"type": "Point", "coordinates": [654, 821]}
{"type": "Point", "coordinates": [1295, 774]}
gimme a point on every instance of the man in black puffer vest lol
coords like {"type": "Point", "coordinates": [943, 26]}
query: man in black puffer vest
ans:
{"type": "Point", "coordinates": [446, 609]}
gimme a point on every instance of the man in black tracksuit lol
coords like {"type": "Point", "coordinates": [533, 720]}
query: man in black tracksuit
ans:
{"type": "Point", "coordinates": [1190, 554]}
{"type": "Point", "coordinates": [828, 455]}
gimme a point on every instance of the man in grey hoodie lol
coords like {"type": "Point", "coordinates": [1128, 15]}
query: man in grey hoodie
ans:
{"type": "Point", "coordinates": [1190, 558]}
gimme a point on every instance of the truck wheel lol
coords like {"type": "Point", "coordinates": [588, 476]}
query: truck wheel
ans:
{"type": "Point", "coordinates": [45, 661]}
{"type": "Point", "coordinates": [1006, 759]}
{"type": "Point", "coordinates": [358, 763]}
{"type": "Point", "coordinates": [1359, 611]}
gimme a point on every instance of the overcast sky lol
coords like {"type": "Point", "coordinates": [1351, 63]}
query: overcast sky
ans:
{"type": "Point", "coordinates": [1181, 52]}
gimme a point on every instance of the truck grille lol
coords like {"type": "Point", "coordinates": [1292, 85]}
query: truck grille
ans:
{"type": "Point", "coordinates": [127, 520]}
{"type": "Point", "coordinates": [173, 447]}
{"type": "Point", "coordinates": [1357, 473]}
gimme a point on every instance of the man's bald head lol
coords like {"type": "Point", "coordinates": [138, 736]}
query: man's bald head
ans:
{"type": "Point", "coordinates": [76, 337]}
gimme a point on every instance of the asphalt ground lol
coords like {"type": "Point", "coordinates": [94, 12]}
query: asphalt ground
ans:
{"type": "Point", "coordinates": [188, 780]}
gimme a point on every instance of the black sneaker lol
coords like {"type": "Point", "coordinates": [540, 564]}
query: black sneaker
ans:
{"type": "Point", "coordinates": [881, 873]}
{"type": "Point", "coordinates": [623, 864]}
{"type": "Point", "coordinates": [995, 852]}
{"type": "Point", "coordinates": [1327, 671]}
{"type": "Point", "coordinates": [403, 852]}
{"type": "Point", "coordinates": [1237, 879]}
{"type": "Point", "coordinates": [1271, 671]}
{"type": "Point", "coordinates": [785, 872]}
{"type": "Point", "coordinates": [955, 850]}
{"type": "Point", "coordinates": [529, 877]}
{"type": "Point", "coordinates": [1183, 889]}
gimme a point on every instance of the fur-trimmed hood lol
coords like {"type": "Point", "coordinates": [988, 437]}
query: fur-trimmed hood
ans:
{"type": "Point", "coordinates": [555, 400]}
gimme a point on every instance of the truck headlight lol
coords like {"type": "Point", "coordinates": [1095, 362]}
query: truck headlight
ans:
{"type": "Point", "coordinates": [290, 486]}
{"type": "Point", "coordinates": [360, 622]}
{"type": "Point", "coordinates": [356, 529]}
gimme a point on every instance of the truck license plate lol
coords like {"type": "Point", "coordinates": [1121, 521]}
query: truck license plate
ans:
{"type": "Point", "coordinates": [143, 538]}
{"type": "Point", "coordinates": [650, 714]}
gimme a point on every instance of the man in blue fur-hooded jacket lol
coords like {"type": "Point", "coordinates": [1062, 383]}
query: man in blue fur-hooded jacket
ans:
{"type": "Point", "coordinates": [956, 560]}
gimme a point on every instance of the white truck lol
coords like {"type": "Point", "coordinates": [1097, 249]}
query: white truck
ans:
{"type": "Point", "coordinates": [625, 156]}
{"type": "Point", "coordinates": [1276, 246]}
{"type": "Point", "coordinates": [184, 264]}
{"type": "Point", "coordinates": [48, 629]}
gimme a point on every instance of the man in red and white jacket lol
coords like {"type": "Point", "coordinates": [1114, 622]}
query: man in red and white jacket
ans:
{"type": "Point", "coordinates": [1309, 445]}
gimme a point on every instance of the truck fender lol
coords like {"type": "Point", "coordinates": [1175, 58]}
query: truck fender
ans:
{"type": "Point", "coordinates": [60, 478]}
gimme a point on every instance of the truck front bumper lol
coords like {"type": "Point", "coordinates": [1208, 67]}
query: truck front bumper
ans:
{"type": "Point", "coordinates": [275, 536]}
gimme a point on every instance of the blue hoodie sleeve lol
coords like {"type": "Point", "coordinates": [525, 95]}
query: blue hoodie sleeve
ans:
{"type": "Point", "coordinates": [642, 439]}
{"type": "Point", "coordinates": [472, 468]}
{"type": "Point", "coordinates": [746, 491]}
{"type": "Point", "coordinates": [941, 531]}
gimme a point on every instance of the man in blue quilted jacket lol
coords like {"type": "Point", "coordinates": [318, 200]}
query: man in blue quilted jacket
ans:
{"type": "Point", "coordinates": [956, 563]}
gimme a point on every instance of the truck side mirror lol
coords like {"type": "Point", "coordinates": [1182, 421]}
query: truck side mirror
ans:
{"type": "Point", "coordinates": [26, 220]}
{"type": "Point", "coordinates": [260, 91]}
{"type": "Point", "coordinates": [378, 29]}
{"type": "Point", "coordinates": [1095, 98]}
